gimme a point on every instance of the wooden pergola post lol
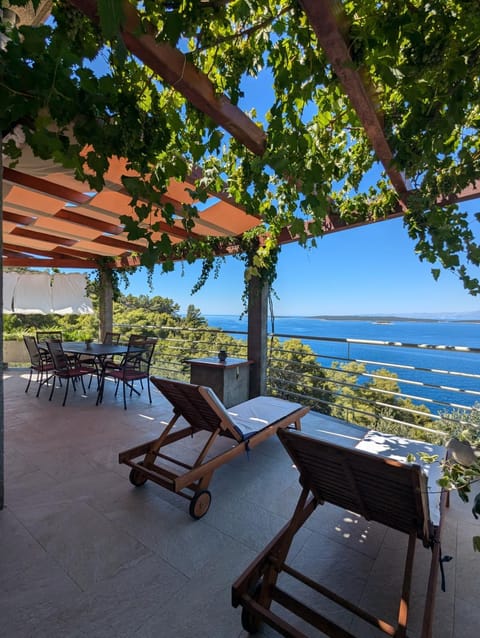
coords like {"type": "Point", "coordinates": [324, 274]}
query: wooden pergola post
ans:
{"type": "Point", "coordinates": [105, 302]}
{"type": "Point", "coordinates": [257, 335]}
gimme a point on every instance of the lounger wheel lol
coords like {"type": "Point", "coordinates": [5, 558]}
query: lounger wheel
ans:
{"type": "Point", "coordinates": [200, 503]}
{"type": "Point", "coordinates": [137, 477]}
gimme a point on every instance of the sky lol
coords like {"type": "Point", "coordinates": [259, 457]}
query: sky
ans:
{"type": "Point", "coordinates": [368, 270]}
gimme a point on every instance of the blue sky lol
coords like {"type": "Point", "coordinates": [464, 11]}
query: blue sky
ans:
{"type": "Point", "coordinates": [367, 270]}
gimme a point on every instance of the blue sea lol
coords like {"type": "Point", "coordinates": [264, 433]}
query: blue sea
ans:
{"type": "Point", "coordinates": [450, 334]}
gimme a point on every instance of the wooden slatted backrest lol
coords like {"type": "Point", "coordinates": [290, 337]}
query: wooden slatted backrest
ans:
{"type": "Point", "coordinates": [376, 487]}
{"type": "Point", "coordinates": [189, 401]}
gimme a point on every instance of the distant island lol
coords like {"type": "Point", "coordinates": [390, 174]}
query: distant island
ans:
{"type": "Point", "coordinates": [467, 318]}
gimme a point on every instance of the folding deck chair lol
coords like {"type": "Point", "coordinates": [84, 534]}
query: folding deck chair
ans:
{"type": "Point", "coordinates": [246, 424]}
{"type": "Point", "coordinates": [377, 487]}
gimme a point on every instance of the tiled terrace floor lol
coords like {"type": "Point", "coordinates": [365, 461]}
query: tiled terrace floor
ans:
{"type": "Point", "coordinates": [85, 554]}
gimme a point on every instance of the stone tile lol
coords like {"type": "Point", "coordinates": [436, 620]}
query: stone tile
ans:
{"type": "Point", "coordinates": [87, 546]}
{"type": "Point", "coordinates": [32, 584]}
{"type": "Point", "coordinates": [347, 528]}
{"type": "Point", "coordinates": [466, 618]}
{"type": "Point", "coordinates": [120, 605]}
{"type": "Point", "coordinates": [202, 608]}
{"type": "Point", "coordinates": [169, 531]}
{"type": "Point", "coordinates": [84, 554]}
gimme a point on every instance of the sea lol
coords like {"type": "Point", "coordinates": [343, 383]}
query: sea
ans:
{"type": "Point", "coordinates": [458, 339]}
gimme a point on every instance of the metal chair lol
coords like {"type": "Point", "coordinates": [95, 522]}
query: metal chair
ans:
{"type": "Point", "coordinates": [111, 338]}
{"type": "Point", "coordinates": [40, 362]}
{"type": "Point", "coordinates": [85, 359]}
{"type": "Point", "coordinates": [135, 366]}
{"type": "Point", "coordinates": [66, 368]}
{"type": "Point", "coordinates": [49, 335]}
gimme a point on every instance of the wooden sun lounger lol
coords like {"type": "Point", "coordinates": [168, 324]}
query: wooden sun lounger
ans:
{"type": "Point", "coordinates": [380, 489]}
{"type": "Point", "coordinates": [246, 424]}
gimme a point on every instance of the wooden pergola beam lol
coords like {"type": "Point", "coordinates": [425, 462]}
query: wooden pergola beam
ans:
{"type": "Point", "coordinates": [26, 250]}
{"type": "Point", "coordinates": [45, 186]}
{"type": "Point", "coordinates": [56, 262]}
{"type": "Point", "coordinates": [45, 237]}
{"type": "Point", "coordinates": [121, 244]}
{"type": "Point", "coordinates": [325, 22]}
{"type": "Point", "coordinates": [17, 218]}
{"type": "Point", "coordinates": [333, 223]}
{"type": "Point", "coordinates": [89, 222]}
{"type": "Point", "coordinates": [182, 75]}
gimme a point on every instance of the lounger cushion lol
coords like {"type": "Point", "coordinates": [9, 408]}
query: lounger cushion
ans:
{"type": "Point", "coordinates": [256, 414]}
{"type": "Point", "coordinates": [398, 448]}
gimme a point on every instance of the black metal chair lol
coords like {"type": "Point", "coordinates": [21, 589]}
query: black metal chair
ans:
{"type": "Point", "coordinates": [111, 338]}
{"type": "Point", "coordinates": [49, 335]}
{"type": "Point", "coordinates": [40, 362]}
{"type": "Point", "coordinates": [65, 368]}
{"type": "Point", "coordinates": [135, 366]}
{"type": "Point", "coordinates": [85, 359]}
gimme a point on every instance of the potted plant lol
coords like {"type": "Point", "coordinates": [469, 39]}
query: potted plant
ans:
{"type": "Point", "coordinates": [461, 468]}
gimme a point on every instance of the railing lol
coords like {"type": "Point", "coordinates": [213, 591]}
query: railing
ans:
{"type": "Point", "coordinates": [389, 385]}
{"type": "Point", "coordinates": [400, 387]}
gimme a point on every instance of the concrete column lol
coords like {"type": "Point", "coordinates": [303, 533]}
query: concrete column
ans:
{"type": "Point", "coordinates": [257, 336]}
{"type": "Point", "coordinates": [105, 302]}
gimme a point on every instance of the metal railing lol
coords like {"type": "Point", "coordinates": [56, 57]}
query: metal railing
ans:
{"type": "Point", "coordinates": [407, 388]}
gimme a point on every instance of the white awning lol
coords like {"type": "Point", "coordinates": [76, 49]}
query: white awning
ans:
{"type": "Point", "coordinates": [41, 293]}
{"type": "Point", "coordinates": [9, 282]}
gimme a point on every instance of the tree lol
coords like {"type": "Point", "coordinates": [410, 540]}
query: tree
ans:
{"type": "Point", "coordinates": [422, 60]}
{"type": "Point", "coordinates": [155, 304]}
{"type": "Point", "coordinates": [294, 374]}
{"type": "Point", "coordinates": [194, 317]}
{"type": "Point", "coordinates": [374, 403]}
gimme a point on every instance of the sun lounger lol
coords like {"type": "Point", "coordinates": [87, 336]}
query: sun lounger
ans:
{"type": "Point", "coordinates": [368, 482]}
{"type": "Point", "coordinates": [246, 425]}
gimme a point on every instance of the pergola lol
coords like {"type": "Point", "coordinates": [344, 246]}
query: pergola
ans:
{"type": "Point", "coordinates": [52, 220]}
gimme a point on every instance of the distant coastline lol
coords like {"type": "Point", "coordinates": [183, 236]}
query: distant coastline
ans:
{"type": "Point", "coordinates": [392, 319]}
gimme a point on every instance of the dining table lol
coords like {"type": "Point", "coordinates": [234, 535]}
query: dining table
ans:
{"type": "Point", "coordinates": [102, 352]}
{"type": "Point", "coordinates": [97, 350]}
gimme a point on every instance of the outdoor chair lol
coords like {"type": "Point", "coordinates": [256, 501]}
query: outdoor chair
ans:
{"type": "Point", "coordinates": [245, 425]}
{"type": "Point", "coordinates": [49, 335]}
{"type": "Point", "coordinates": [111, 338]}
{"type": "Point", "coordinates": [372, 484]}
{"type": "Point", "coordinates": [40, 362]}
{"type": "Point", "coordinates": [135, 366]}
{"type": "Point", "coordinates": [66, 368]}
{"type": "Point", "coordinates": [134, 340]}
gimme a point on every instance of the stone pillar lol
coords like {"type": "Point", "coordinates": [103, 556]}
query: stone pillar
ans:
{"type": "Point", "coordinates": [13, 16]}
{"type": "Point", "coordinates": [257, 335]}
{"type": "Point", "coordinates": [105, 302]}
{"type": "Point", "coordinates": [2, 422]}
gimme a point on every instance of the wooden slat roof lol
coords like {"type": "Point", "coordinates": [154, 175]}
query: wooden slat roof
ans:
{"type": "Point", "coordinates": [50, 218]}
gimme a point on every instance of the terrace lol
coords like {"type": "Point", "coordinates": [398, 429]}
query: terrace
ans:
{"type": "Point", "coordinates": [84, 553]}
